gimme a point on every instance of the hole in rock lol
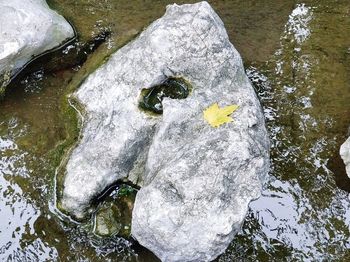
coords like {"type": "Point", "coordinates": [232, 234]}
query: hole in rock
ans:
{"type": "Point", "coordinates": [151, 98]}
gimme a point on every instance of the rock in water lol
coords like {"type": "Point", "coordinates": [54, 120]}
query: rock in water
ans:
{"type": "Point", "coordinates": [197, 180]}
{"type": "Point", "coordinates": [345, 155]}
{"type": "Point", "coordinates": [28, 28]}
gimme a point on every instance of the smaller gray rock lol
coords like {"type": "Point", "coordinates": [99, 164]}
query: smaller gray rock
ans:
{"type": "Point", "coordinates": [28, 28]}
{"type": "Point", "coordinates": [345, 155]}
{"type": "Point", "coordinates": [113, 216]}
{"type": "Point", "coordinates": [106, 221]}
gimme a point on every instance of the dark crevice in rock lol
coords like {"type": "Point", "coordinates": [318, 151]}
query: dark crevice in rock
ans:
{"type": "Point", "coordinates": [109, 190]}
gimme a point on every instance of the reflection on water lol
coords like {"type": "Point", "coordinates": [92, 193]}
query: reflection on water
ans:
{"type": "Point", "coordinates": [297, 56]}
{"type": "Point", "coordinates": [18, 215]}
{"type": "Point", "coordinates": [305, 92]}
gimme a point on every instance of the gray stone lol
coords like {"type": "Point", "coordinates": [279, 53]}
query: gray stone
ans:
{"type": "Point", "coordinates": [345, 155]}
{"type": "Point", "coordinates": [197, 180]}
{"type": "Point", "coordinates": [107, 221]}
{"type": "Point", "coordinates": [113, 215]}
{"type": "Point", "coordinates": [28, 28]}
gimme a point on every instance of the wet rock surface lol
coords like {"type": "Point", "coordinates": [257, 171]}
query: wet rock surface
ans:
{"type": "Point", "coordinates": [197, 180]}
{"type": "Point", "coordinates": [28, 28]}
{"type": "Point", "coordinates": [345, 155]}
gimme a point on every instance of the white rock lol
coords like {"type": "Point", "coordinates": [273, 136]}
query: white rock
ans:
{"type": "Point", "coordinates": [198, 180]}
{"type": "Point", "coordinates": [345, 155]}
{"type": "Point", "coordinates": [28, 28]}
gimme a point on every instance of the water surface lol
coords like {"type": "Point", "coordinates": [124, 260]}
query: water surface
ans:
{"type": "Point", "coordinates": [297, 54]}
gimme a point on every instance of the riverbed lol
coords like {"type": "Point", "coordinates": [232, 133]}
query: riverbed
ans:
{"type": "Point", "coordinates": [297, 55]}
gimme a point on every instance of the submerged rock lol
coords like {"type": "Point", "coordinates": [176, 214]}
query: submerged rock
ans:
{"type": "Point", "coordinates": [106, 221]}
{"type": "Point", "coordinates": [197, 180]}
{"type": "Point", "coordinates": [345, 155]}
{"type": "Point", "coordinates": [28, 28]}
{"type": "Point", "coordinates": [113, 216]}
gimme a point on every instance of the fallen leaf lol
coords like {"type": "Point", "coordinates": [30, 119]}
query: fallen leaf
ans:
{"type": "Point", "coordinates": [216, 116]}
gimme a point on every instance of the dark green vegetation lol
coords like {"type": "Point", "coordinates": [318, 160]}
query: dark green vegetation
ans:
{"type": "Point", "coordinates": [151, 98]}
{"type": "Point", "coordinates": [303, 82]}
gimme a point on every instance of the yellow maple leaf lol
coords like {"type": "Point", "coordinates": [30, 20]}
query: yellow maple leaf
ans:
{"type": "Point", "coordinates": [216, 116]}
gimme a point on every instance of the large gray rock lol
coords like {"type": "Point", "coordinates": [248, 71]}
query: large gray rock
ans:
{"type": "Point", "coordinates": [197, 180]}
{"type": "Point", "coordinates": [28, 28]}
{"type": "Point", "coordinates": [345, 155]}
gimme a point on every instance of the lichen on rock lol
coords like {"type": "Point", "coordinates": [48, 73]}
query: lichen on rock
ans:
{"type": "Point", "coordinates": [197, 181]}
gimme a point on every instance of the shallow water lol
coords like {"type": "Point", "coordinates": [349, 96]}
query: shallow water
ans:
{"type": "Point", "coordinates": [297, 54]}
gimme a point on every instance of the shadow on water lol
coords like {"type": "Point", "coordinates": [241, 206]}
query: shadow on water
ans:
{"type": "Point", "coordinates": [298, 57]}
{"type": "Point", "coordinates": [337, 165]}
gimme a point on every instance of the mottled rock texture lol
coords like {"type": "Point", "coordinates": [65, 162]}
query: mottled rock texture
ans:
{"type": "Point", "coordinates": [345, 155]}
{"type": "Point", "coordinates": [197, 180]}
{"type": "Point", "coordinates": [28, 28]}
